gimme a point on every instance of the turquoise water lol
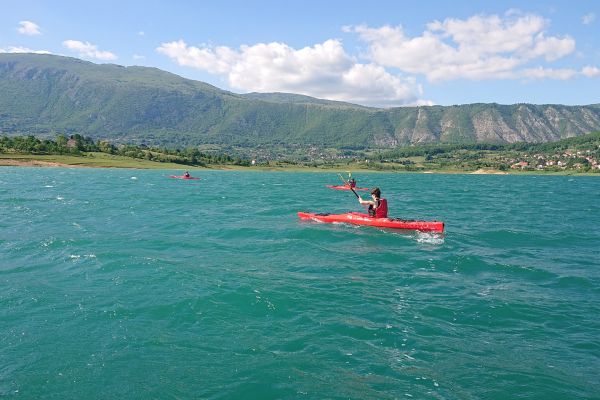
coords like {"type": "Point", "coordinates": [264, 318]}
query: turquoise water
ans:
{"type": "Point", "coordinates": [127, 284]}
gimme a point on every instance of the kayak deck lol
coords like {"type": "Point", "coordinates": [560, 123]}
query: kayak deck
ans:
{"type": "Point", "coordinates": [345, 187]}
{"type": "Point", "coordinates": [356, 218]}
{"type": "Point", "coordinates": [184, 177]}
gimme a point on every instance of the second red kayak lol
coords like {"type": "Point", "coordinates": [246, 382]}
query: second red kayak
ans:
{"type": "Point", "coordinates": [356, 218]}
{"type": "Point", "coordinates": [345, 187]}
{"type": "Point", "coordinates": [184, 177]}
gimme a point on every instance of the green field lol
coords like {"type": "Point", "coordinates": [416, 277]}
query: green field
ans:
{"type": "Point", "coordinates": [98, 160]}
{"type": "Point", "coordinates": [102, 160]}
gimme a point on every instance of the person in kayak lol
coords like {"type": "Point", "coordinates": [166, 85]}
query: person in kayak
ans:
{"type": "Point", "coordinates": [187, 174]}
{"type": "Point", "coordinates": [378, 206]}
{"type": "Point", "coordinates": [351, 180]}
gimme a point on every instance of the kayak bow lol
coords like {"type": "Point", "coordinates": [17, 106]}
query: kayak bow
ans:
{"type": "Point", "coordinates": [355, 218]}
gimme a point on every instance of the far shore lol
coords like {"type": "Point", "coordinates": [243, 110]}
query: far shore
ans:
{"type": "Point", "coordinates": [123, 163]}
{"type": "Point", "coordinates": [8, 162]}
{"type": "Point", "coordinates": [489, 172]}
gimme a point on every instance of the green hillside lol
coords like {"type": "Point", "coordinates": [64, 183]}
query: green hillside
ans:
{"type": "Point", "coordinates": [45, 95]}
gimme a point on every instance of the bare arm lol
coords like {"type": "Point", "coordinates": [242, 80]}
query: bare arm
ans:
{"type": "Point", "coordinates": [365, 202]}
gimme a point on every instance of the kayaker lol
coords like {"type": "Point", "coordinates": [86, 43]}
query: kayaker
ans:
{"type": "Point", "coordinates": [351, 180]}
{"type": "Point", "coordinates": [378, 206]}
{"type": "Point", "coordinates": [187, 174]}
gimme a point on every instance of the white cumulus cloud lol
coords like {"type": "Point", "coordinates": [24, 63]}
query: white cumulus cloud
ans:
{"type": "Point", "coordinates": [479, 47]}
{"type": "Point", "coordinates": [19, 49]}
{"type": "Point", "coordinates": [590, 71]}
{"type": "Point", "coordinates": [214, 60]}
{"type": "Point", "coordinates": [588, 18]}
{"type": "Point", "coordinates": [28, 28]}
{"type": "Point", "coordinates": [323, 70]}
{"type": "Point", "coordinates": [88, 50]}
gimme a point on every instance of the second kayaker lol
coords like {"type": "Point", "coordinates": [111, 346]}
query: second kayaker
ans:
{"type": "Point", "coordinates": [377, 207]}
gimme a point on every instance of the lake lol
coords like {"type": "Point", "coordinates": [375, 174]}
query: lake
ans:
{"type": "Point", "coordinates": [127, 284]}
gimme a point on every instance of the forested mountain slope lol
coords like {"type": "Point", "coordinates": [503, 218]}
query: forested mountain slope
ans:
{"type": "Point", "coordinates": [45, 94]}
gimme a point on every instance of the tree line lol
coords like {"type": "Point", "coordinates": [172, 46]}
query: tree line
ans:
{"type": "Point", "coordinates": [79, 145]}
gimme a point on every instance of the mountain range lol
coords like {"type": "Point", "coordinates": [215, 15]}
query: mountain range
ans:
{"type": "Point", "coordinates": [45, 95]}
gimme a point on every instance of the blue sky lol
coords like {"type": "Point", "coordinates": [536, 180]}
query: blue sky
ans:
{"type": "Point", "coordinates": [378, 53]}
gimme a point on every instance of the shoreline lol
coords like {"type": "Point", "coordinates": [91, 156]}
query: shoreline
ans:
{"type": "Point", "coordinates": [35, 162]}
{"type": "Point", "coordinates": [9, 162]}
{"type": "Point", "coordinates": [486, 171]}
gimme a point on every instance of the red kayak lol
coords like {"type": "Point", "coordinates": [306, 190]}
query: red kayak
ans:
{"type": "Point", "coordinates": [356, 218]}
{"type": "Point", "coordinates": [344, 187]}
{"type": "Point", "coordinates": [183, 177]}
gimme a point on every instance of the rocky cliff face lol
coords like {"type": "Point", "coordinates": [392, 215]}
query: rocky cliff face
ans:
{"type": "Point", "coordinates": [496, 123]}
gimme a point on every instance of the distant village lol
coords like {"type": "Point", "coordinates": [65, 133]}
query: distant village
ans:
{"type": "Point", "coordinates": [579, 160]}
{"type": "Point", "coordinates": [582, 160]}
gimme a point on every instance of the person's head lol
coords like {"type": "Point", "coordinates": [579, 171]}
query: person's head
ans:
{"type": "Point", "coordinates": [376, 193]}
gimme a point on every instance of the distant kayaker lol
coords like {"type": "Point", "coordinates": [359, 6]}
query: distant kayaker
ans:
{"type": "Point", "coordinates": [377, 207]}
{"type": "Point", "coordinates": [351, 181]}
{"type": "Point", "coordinates": [187, 174]}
